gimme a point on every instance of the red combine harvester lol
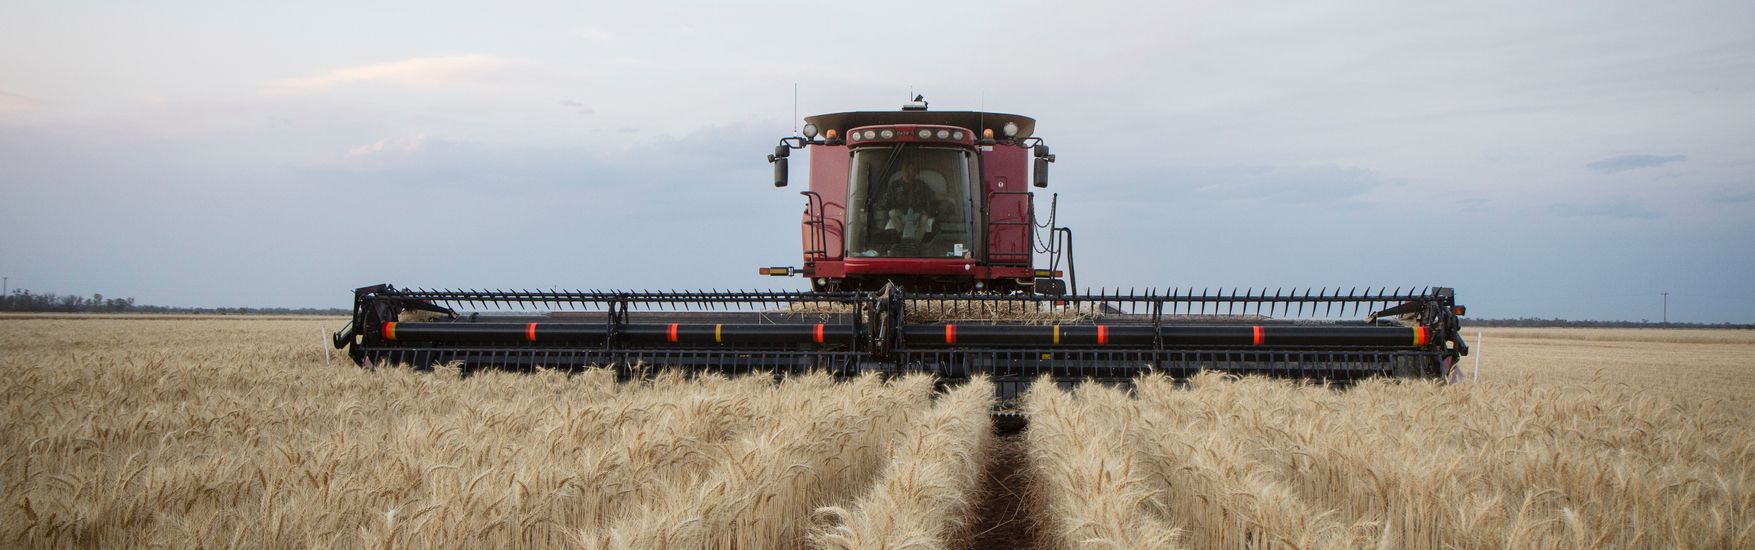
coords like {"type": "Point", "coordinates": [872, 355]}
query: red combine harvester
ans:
{"type": "Point", "coordinates": [921, 243]}
{"type": "Point", "coordinates": [934, 201]}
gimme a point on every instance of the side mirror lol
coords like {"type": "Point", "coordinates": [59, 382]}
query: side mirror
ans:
{"type": "Point", "coordinates": [778, 159]}
{"type": "Point", "coordinates": [1041, 150]}
{"type": "Point", "coordinates": [1041, 172]}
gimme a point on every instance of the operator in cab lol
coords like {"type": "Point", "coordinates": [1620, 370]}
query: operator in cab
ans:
{"type": "Point", "coordinates": [912, 203]}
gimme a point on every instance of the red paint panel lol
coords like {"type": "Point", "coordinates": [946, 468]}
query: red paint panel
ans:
{"type": "Point", "coordinates": [828, 178]}
{"type": "Point", "coordinates": [830, 269]}
{"type": "Point", "coordinates": [1006, 188]}
{"type": "Point", "coordinates": [910, 266]}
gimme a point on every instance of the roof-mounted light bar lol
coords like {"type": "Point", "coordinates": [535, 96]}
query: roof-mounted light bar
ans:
{"type": "Point", "coordinates": [909, 132]}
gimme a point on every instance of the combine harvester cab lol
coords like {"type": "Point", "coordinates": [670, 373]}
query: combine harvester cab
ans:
{"type": "Point", "coordinates": [920, 240]}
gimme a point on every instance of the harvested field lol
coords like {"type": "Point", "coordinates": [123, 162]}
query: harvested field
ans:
{"type": "Point", "coordinates": [237, 431]}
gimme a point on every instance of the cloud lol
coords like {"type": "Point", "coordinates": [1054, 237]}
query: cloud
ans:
{"type": "Point", "coordinates": [1625, 209]}
{"type": "Point", "coordinates": [1291, 184]}
{"type": "Point", "coordinates": [593, 34]}
{"type": "Point", "coordinates": [577, 106]}
{"type": "Point", "coordinates": [420, 71]}
{"type": "Point", "coordinates": [433, 160]}
{"type": "Point", "coordinates": [13, 103]}
{"type": "Point", "coordinates": [390, 145]}
{"type": "Point", "coordinates": [1624, 163]}
{"type": "Point", "coordinates": [1735, 198]}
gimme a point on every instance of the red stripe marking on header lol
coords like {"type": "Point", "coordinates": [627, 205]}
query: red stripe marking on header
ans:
{"type": "Point", "coordinates": [950, 334]}
{"type": "Point", "coordinates": [1102, 334]}
{"type": "Point", "coordinates": [530, 332]}
{"type": "Point", "coordinates": [1260, 335]}
{"type": "Point", "coordinates": [819, 333]}
{"type": "Point", "coordinates": [1419, 336]}
{"type": "Point", "coordinates": [673, 332]}
{"type": "Point", "coordinates": [390, 330]}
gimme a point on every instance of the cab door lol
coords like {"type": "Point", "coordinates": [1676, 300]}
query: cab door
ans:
{"type": "Point", "coordinates": [1007, 208]}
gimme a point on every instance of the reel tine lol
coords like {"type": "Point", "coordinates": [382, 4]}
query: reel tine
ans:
{"type": "Point", "coordinates": [1328, 305]}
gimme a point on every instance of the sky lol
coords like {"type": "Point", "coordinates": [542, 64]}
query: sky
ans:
{"type": "Point", "coordinates": [1550, 159]}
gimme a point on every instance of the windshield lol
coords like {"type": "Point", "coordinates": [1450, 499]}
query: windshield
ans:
{"type": "Point", "coordinates": [909, 201]}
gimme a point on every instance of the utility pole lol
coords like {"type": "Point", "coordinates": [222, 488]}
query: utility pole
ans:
{"type": "Point", "coordinates": [1666, 307]}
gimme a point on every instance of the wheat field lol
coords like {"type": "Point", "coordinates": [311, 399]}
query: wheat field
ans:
{"type": "Point", "coordinates": [240, 432]}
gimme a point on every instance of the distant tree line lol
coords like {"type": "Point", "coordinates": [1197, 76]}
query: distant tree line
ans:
{"type": "Point", "coordinates": [22, 300]}
{"type": "Point", "coordinates": [1539, 322]}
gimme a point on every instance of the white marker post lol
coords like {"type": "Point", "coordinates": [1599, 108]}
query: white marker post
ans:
{"type": "Point", "coordinates": [323, 338]}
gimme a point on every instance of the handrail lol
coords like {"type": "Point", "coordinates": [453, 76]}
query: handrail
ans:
{"type": "Point", "coordinates": [815, 208]}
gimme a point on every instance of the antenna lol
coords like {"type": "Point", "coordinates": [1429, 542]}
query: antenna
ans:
{"type": "Point", "coordinates": [795, 108]}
